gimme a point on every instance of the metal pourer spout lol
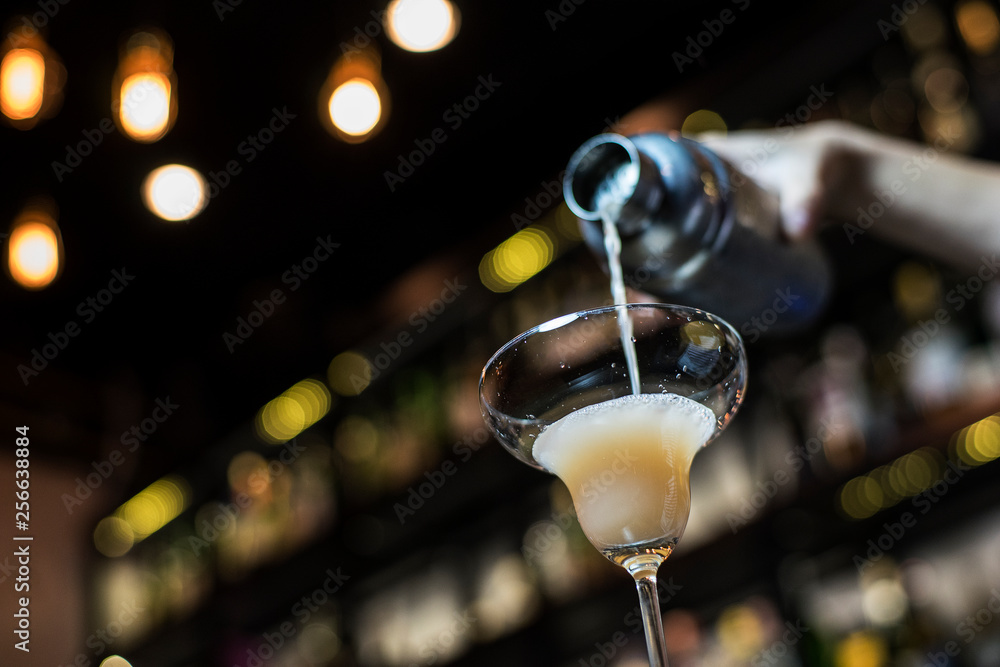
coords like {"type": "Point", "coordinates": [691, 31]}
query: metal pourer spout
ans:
{"type": "Point", "coordinates": [608, 177]}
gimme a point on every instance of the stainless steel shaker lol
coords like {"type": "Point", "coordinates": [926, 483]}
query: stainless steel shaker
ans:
{"type": "Point", "coordinates": [695, 231]}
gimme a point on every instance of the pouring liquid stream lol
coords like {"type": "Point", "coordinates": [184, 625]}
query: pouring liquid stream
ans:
{"type": "Point", "coordinates": [610, 202]}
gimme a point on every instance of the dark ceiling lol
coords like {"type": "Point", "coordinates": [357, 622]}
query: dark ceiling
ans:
{"type": "Point", "coordinates": [562, 68]}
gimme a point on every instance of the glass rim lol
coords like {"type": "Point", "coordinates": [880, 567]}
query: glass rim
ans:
{"type": "Point", "coordinates": [562, 320]}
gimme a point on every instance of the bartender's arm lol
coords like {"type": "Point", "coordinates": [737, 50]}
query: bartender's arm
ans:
{"type": "Point", "coordinates": [921, 196]}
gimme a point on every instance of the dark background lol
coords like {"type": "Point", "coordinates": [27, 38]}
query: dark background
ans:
{"type": "Point", "coordinates": [560, 83]}
{"type": "Point", "coordinates": [164, 335]}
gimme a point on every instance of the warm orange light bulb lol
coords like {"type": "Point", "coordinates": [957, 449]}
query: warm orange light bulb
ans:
{"type": "Point", "coordinates": [145, 106]}
{"type": "Point", "coordinates": [144, 90]}
{"type": "Point", "coordinates": [33, 254]}
{"type": "Point", "coordinates": [22, 83]}
{"type": "Point", "coordinates": [354, 100]}
{"type": "Point", "coordinates": [355, 107]}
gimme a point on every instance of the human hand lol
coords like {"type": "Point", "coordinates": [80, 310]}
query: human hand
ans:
{"type": "Point", "coordinates": [814, 169]}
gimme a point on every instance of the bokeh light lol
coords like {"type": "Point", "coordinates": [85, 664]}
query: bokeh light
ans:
{"type": "Point", "coordinates": [142, 515]}
{"type": "Point", "coordinates": [155, 506]}
{"type": "Point", "coordinates": [113, 537]}
{"type": "Point", "coordinates": [916, 290]}
{"type": "Point", "coordinates": [979, 443]}
{"type": "Point", "coordinates": [349, 373]}
{"type": "Point", "coordinates": [145, 106]}
{"type": "Point", "coordinates": [907, 476]}
{"type": "Point", "coordinates": [34, 252]}
{"type": "Point", "coordinates": [319, 644]}
{"type": "Point", "coordinates": [356, 439]}
{"type": "Point", "coordinates": [174, 192]}
{"type": "Point", "coordinates": [740, 631]}
{"type": "Point", "coordinates": [946, 89]}
{"type": "Point", "coordinates": [861, 497]}
{"type": "Point", "coordinates": [295, 410]}
{"type": "Point", "coordinates": [354, 99]}
{"type": "Point", "coordinates": [144, 91]}
{"type": "Point", "coordinates": [703, 120]}
{"type": "Point", "coordinates": [355, 107]}
{"type": "Point", "coordinates": [32, 77]}
{"type": "Point", "coordinates": [925, 28]}
{"type": "Point", "coordinates": [22, 83]}
{"type": "Point", "coordinates": [248, 474]}
{"type": "Point", "coordinates": [517, 259]}
{"type": "Point", "coordinates": [978, 24]}
{"type": "Point", "coordinates": [884, 602]}
{"type": "Point", "coordinates": [862, 649]}
{"type": "Point", "coordinates": [421, 25]}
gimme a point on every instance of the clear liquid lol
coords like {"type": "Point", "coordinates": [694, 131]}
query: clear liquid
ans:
{"type": "Point", "coordinates": [613, 245]}
{"type": "Point", "coordinates": [626, 464]}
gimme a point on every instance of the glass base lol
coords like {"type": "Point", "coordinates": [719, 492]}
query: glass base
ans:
{"type": "Point", "coordinates": [643, 559]}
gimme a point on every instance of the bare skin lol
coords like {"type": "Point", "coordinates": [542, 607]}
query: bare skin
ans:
{"type": "Point", "coordinates": [923, 197]}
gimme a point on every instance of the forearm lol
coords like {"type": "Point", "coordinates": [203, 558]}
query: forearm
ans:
{"type": "Point", "coordinates": [920, 196]}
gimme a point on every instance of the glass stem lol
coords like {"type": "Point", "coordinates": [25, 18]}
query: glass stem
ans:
{"type": "Point", "coordinates": [643, 568]}
{"type": "Point", "coordinates": [651, 621]}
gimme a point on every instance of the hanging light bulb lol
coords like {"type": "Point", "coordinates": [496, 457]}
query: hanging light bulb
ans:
{"type": "Point", "coordinates": [34, 252]}
{"type": "Point", "coordinates": [31, 79]}
{"type": "Point", "coordinates": [354, 101]}
{"type": "Point", "coordinates": [144, 90]}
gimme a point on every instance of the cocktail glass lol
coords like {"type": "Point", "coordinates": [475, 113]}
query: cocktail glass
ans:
{"type": "Point", "coordinates": [559, 398]}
